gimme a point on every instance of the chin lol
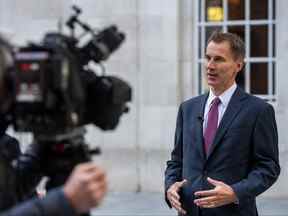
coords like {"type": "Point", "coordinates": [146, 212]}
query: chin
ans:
{"type": "Point", "coordinates": [212, 84]}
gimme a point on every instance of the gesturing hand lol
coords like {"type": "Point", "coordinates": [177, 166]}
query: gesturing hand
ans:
{"type": "Point", "coordinates": [173, 196]}
{"type": "Point", "coordinates": [86, 187]}
{"type": "Point", "coordinates": [221, 195]}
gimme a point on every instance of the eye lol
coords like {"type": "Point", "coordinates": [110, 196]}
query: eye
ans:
{"type": "Point", "coordinates": [219, 59]}
{"type": "Point", "coordinates": [207, 57]}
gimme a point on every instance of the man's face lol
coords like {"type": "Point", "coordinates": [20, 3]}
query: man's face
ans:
{"type": "Point", "coordinates": [221, 66]}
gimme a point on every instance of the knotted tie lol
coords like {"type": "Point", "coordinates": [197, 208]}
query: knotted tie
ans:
{"type": "Point", "coordinates": [212, 124]}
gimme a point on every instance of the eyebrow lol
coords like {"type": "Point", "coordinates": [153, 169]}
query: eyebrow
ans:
{"type": "Point", "coordinates": [216, 57]}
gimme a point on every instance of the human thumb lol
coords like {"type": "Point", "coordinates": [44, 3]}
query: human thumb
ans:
{"type": "Point", "coordinates": [183, 182]}
{"type": "Point", "coordinates": [213, 181]}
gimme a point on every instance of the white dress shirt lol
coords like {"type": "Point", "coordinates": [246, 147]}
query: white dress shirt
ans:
{"type": "Point", "coordinates": [224, 98]}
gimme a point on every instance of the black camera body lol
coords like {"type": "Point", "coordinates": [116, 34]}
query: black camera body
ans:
{"type": "Point", "coordinates": [48, 90]}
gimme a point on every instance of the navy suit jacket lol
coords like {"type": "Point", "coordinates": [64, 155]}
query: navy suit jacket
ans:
{"type": "Point", "coordinates": [244, 153]}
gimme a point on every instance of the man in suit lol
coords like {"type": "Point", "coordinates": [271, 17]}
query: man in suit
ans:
{"type": "Point", "coordinates": [226, 142]}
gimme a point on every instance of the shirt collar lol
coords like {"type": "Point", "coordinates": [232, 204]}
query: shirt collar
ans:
{"type": "Point", "coordinates": [224, 97]}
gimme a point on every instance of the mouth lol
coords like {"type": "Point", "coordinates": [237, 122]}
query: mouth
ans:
{"type": "Point", "coordinates": [212, 78]}
{"type": "Point", "coordinates": [211, 75]}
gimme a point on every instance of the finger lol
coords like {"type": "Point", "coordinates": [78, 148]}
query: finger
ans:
{"type": "Point", "coordinates": [214, 182]}
{"type": "Point", "coordinates": [101, 186]}
{"type": "Point", "coordinates": [178, 208]}
{"type": "Point", "coordinates": [86, 166]}
{"type": "Point", "coordinates": [182, 183]}
{"type": "Point", "coordinates": [206, 193]}
{"type": "Point", "coordinates": [173, 192]}
{"type": "Point", "coordinates": [96, 174]}
{"type": "Point", "coordinates": [174, 200]}
{"type": "Point", "coordinates": [178, 185]}
{"type": "Point", "coordinates": [88, 179]}
{"type": "Point", "coordinates": [212, 205]}
{"type": "Point", "coordinates": [206, 200]}
{"type": "Point", "coordinates": [175, 195]}
{"type": "Point", "coordinates": [175, 205]}
{"type": "Point", "coordinates": [182, 211]}
{"type": "Point", "coordinates": [98, 192]}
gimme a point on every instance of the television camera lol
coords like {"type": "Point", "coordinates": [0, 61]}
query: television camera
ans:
{"type": "Point", "coordinates": [54, 93]}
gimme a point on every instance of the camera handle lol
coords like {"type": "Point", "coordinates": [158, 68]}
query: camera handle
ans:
{"type": "Point", "coordinates": [73, 20]}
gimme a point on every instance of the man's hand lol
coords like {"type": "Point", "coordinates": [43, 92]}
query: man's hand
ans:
{"type": "Point", "coordinates": [221, 195]}
{"type": "Point", "coordinates": [173, 196]}
{"type": "Point", "coordinates": [86, 187]}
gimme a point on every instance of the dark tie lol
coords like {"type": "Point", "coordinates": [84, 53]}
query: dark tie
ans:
{"type": "Point", "coordinates": [212, 122]}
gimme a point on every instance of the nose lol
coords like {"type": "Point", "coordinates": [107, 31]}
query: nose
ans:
{"type": "Point", "coordinates": [210, 64]}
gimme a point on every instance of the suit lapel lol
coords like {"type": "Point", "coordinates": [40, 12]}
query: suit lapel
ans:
{"type": "Point", "coordinates": [199, 127]}
{"type": "Point", "coordinates": [231, 112]}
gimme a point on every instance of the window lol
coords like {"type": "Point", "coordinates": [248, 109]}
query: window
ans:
{"type": "Point", "coordinates": [254, 22]}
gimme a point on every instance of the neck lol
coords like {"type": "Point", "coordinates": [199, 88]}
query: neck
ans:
{"type": "Point", "coordinates": [219, 91]}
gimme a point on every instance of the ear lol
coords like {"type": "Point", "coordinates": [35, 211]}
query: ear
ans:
{"type": "Point", "coordinates": [239, 65]}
